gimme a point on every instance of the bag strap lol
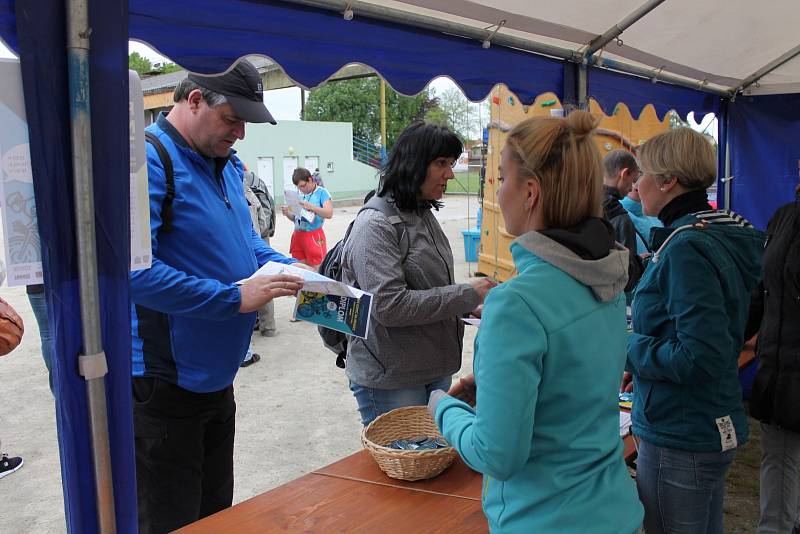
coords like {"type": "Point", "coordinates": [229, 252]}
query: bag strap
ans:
{"type": "Point", "coordinates": [639, 234]}
{"type": "Point", "coordinates": [250, 179]}
{"type": "Point", "coordinates": [169, 174]}
{"type": "Point", "coordinates": [393, 215]}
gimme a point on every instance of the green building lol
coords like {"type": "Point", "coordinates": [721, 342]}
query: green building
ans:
{"type": "Point", "coordinates": [274, 151]}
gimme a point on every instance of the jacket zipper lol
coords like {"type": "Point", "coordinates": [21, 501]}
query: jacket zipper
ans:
{"type": "Point", "coordinates": [221, 185]}
{"type": "Point", "coordinates": [218, 178]}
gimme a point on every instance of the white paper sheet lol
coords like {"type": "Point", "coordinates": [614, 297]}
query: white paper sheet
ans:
{"type": "Point", "coordinates": [20, 227]}
{"type": "Point", "coordinates": [474, 321]}
{"type": "Point", "coordinates": [624, 423]}
{"type": "Point", "coordinates": [141, 246]}
{"type": "Point", "coordinates": [292, 199]}
{"type": "Point", "coordinates": [313, 282]}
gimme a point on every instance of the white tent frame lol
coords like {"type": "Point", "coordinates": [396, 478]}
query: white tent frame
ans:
{"type": "Point", "coordinates": [584, 55]}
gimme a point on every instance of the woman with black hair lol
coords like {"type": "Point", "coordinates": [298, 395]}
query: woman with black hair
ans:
{"type": "Point", "coordinates": [404, 259]}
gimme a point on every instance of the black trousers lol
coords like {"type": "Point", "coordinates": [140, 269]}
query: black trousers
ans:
{"type": "Point", "coordinates": [184, 453]}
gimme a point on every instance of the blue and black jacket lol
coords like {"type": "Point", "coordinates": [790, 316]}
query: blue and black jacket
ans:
{"type": "Point", "coordinates": [689, 315]}
{"type": "Point", "coordinates": [185, 320]}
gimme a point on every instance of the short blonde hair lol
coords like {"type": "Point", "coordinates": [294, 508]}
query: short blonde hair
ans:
{"type": "Point", "coordinates": [562, 156]}
{"type": "Point", "coordinates": [682, 153]}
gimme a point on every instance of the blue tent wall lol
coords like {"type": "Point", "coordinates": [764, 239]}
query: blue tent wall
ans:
{"type": "Point", "coordinates": [42, 50]}
{"type": "Point", "coordinates": [608, 88]}
{"type": "Point", "coordinates": [765, 155]}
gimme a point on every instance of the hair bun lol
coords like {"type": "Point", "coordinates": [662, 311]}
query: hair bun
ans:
{"type": "Point", "coordinates": [581, 123]}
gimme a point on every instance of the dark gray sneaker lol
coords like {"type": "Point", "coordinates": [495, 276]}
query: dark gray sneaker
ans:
{"type": "Point", "coordinates": [9, 465]}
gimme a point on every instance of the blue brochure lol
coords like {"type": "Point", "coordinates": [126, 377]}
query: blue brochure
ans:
{"type": "Point", "coordinates": [337, 312]}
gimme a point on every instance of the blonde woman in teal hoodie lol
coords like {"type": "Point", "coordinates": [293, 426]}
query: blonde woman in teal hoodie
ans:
{"type": "Point", "coordinates": [550, 351]}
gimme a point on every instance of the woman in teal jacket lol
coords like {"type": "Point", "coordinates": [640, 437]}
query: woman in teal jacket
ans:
{"type": "Point", "coordinates": [550, 349]}
{"type": "Point", "coordinates": [689, 315]}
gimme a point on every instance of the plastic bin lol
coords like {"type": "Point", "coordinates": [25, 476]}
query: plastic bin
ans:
{"type": "Point", "coordinates": [472, 239]}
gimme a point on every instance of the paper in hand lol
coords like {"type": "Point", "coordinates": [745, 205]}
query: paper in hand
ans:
{"type": "Point", "coordinates": [292, 199]}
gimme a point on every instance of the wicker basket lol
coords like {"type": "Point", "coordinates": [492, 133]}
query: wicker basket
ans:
{"type": "Point", "coordinates": [406, 423]}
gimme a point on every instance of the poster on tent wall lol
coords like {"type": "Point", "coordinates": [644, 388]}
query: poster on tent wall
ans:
{"type": "Point", "coordinates": [20, 229]}
{"type": "Point", "coordinates": [141, 248]}
{"type": "Point", "coordinates": [21, 245]}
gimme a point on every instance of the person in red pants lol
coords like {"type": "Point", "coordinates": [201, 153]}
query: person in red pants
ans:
{"type": "Point", "coordinates": [308, 240]}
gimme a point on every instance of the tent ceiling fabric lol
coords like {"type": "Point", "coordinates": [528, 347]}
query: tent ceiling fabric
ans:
{"type": "Point", "coordinates": [721, 41]}
{"type": "Point", "coordinates": [784, 79]}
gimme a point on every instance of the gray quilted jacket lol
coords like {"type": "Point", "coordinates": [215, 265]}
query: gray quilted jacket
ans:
{"type": "Point", "coordinates": [415, 332]}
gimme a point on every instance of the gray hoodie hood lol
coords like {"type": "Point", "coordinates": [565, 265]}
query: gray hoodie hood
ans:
{"type": "Point", "coordinates": [605, 276]}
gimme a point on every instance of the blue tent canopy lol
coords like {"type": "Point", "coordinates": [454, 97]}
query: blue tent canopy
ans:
{"type": "Point", "coordinates": [609, 87]}
{"type": "Point", "coordinates": [310, 44]}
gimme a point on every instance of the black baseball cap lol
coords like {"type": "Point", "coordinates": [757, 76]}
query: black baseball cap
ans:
{"type": "Point", "coordinates": [242, 87]}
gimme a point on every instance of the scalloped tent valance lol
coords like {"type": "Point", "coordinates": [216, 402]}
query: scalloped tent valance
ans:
{"type": "Point", "coordinates": [407, 57]}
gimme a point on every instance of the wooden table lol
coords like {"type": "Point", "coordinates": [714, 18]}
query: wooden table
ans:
{"type": "Point", "coordinates": [353, 495]}
{"type": "Point", "coordinates": [748, 353]}
{"type": "Point", "coordinates": [457, 481]}
{"type": "Point", "coordinates": [630, 447]}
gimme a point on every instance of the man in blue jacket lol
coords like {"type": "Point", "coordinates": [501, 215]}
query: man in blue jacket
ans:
{"type": "Point", "coordinates": [190, 322]}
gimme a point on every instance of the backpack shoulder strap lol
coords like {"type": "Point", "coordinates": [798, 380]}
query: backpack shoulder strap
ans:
{"type": "Point", "coordinates": [169, 174]}
{"type": "Point", "coordinates": [640, 236]}
{"type": "Point", "coordinates": [393, 214]}
{"type": "Point", "coordinates": [250, 180]}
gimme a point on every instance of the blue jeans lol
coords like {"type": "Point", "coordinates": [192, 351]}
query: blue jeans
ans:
{"type": "Point", "coordinates": [373, 402]}
{"type": "Point", "coordinates": [39, 306]}
{"type": "Point", "coordinates": [682, 491]}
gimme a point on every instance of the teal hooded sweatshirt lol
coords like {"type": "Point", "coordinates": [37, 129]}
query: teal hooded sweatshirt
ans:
{"type": "Point", "coordinates": [549, 356]}
{"type": "Point", "coordinates": [689, 314]}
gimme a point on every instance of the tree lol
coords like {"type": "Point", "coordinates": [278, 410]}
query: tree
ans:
{"type": "Point", "coordinates": [357, 101]}
{"type": "Point", "coordinates": [459, 114]}
{"type": "Point", "coordinates": [139, 63]}
{"type": "Point", "coordinates": [438, 116]}
{"type": "Point", "coordinates": [144, 66]}
{"type": "Point", "coordinates": [168, 67]}
{"type": "Point", "coordinates": [675, 120]}
{"type": "Point", "coordinates": [457, 110]}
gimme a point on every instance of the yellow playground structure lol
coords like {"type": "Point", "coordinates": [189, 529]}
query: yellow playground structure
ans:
{"type": "Point", "coordinates": [619, 130]}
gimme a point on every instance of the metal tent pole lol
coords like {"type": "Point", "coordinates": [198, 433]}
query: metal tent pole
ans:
{"type": "Point", "coordinates": [616, 30]}
{"type": "Point", "coordinates": [397, 16]}
{"type": "Point", "coordinates": [728, 179]}
{"type": "Point", "coordinates": [379, 12]}
{"type": "Point", "coordinates": [92, 364]}
{"type": "Point", "coordinates": [769, 67]}
{"type": "Point", "coordinates": [382, 97]}
{"type": "Point", "coordinates": [582, 88]}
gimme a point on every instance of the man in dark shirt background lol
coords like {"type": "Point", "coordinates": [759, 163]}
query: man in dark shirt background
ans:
{"type": "Point", "coordinates": [621, 172]}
